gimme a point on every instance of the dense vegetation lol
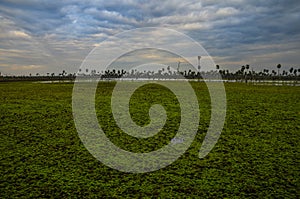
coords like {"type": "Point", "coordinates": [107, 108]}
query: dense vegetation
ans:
{"type": "Point", "coordinates": [257, 154]}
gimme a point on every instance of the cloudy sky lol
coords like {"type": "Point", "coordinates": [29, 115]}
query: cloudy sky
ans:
{"type": "Point", "coordinates": [50, 36]}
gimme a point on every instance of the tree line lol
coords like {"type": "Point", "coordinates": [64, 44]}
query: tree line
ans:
{"type": "Point", "coordinates": [244, 74]}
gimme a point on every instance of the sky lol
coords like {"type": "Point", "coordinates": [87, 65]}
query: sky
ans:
{"type": "Point", "coordinates": [41, 36]}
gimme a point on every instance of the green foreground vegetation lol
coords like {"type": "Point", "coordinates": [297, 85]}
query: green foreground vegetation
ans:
{"type": "Point", "coordinates": [257, 155]}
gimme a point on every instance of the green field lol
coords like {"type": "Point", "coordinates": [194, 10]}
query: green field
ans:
{"type": "Point", "coordinates": [257, 155]}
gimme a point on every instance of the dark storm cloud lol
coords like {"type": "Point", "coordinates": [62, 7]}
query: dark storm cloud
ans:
{"type": "Point", "coordinates": [233, 31]}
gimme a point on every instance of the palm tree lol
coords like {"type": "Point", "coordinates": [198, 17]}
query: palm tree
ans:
{"type": "Point", "coordinates": [243, 72]}
{"type": "Point", "coordinates": [247, 68]}
{"type": "Point", "coordinates": [178, 65]}
{"type": "Point", "coordinates": [295, 72]}
{"type": "Point", "coordinates": [218, 69]}
{"type": "Point", "coordinates": [295, 76]}
{"type": "Point", "coordinates": [169, 69]}
{"type": "Point", "coordinates": [243, 68]}
{"type": "Point", "coordinates": [283, 72]}
{"type": "Point", "coordinates": [278, 67]}
{"type": "Point", "coordinates": [266, 71]}
{"type": "Point", "coordinates": [291, 70]}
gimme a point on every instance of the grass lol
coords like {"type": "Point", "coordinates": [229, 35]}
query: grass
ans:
{"type": "Point", "coordinates": [257, 155]}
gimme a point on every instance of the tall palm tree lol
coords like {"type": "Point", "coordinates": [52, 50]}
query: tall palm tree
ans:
{"type": "Point", "coordinates": [291, 70]}
{"type": "Point", "coordinates": [278, 67]}
{"type": "Point", "coordinates": [247, 66]}
{"type": "Point", "coordinates": [178, 65]}
{"type": "Point", "coordinates": [243, 68]}
{"type": "Point", "coordinates": [243, 71]}
{"type": "Point", "coordinates": [218, 68]}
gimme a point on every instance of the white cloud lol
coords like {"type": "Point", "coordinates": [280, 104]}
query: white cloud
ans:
{"type": "Point", "coordinates": [195, 26]}
{"type": "Point", "coordinates": [19, 34]}
{"type": "Point", "coordinates": [26, 67]}
{"type": "Point", "coordinates": [228, 11]}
